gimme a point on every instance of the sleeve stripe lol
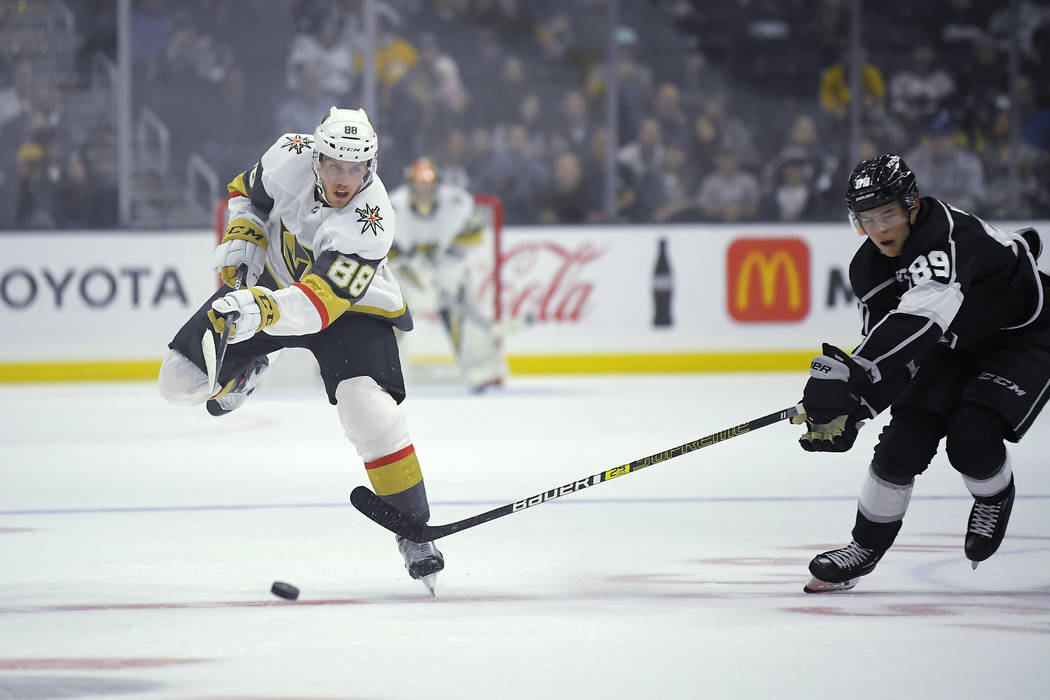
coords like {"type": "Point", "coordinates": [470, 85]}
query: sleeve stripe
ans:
{"type": "Point", "coordinates": [904, 343]}
{"type": "Point", "coordinates": [878, 289]}
{"type": "Point", "coordinates": [322, 311]}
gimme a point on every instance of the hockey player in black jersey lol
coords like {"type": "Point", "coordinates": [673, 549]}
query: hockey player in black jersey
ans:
{"type": "Point", "coordinates": [956, 342]}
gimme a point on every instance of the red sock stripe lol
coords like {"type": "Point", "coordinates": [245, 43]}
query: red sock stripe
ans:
{"type": "Point", "coordinates": [393, 457]}
{"type": "Point", "coordinates": [316, 301]}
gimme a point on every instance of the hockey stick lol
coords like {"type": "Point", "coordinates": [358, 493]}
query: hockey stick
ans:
{"type": "Point", "coordinates": [213, 356]}
{"type": "Point", "coordinates": [375, 508]}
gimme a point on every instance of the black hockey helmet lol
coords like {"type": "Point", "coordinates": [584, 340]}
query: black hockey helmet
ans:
{"type": "Point", "coordinates": [880, 180]}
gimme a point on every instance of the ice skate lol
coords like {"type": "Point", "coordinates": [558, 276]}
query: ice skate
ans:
{"type": "Point", "coordinates": [839, 569]}
{"type": "Point", "coordinates": [236, 391]}
{"type": "Point", "coordinates": [987, 524]}
{"type": "Point", "coordinates": [423, 561]}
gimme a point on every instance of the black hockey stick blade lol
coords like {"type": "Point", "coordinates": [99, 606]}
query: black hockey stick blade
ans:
{"type": "Point", "coordinates": [382, 513]}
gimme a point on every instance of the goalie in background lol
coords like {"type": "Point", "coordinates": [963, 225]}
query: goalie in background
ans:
{"type": "Point", "coordinates": [437, 225]}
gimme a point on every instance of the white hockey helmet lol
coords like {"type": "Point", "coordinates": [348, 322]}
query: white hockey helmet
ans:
{"type": "Point", "coordinates": [347, 135]}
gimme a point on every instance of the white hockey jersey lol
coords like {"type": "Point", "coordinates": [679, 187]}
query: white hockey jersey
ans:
{"type": "Point", "coordinates": [326, 261]}
{"type": "Point", "coordinates": [450, 223]}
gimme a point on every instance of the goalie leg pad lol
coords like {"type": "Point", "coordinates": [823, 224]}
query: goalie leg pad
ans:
{"type": "Point", "coordinates": [479, 353]}
{"type": "Point", "coordinates": [378, 429]}
{"type": "Point", "coordinates": [181, 382]}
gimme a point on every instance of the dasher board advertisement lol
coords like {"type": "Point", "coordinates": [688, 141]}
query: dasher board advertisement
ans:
{"type": "Point", "coordinates": [99, 297]}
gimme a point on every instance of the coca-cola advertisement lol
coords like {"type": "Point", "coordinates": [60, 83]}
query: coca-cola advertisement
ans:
{"type": "Point", "coordinates": [549, 281]}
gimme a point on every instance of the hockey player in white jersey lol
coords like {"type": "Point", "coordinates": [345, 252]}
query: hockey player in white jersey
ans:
{"type": "Point", "coordinates": [311, 225]}
{"type": "Point", "coordinates": [437, 225]}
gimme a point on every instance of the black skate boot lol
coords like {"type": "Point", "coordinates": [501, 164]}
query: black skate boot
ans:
{"type": "Point", "coordinates": [235, 392]}
{"type": "Point", "coordinates": [987, 524]}
{"type": "Point", "coordinates": [839, 569]}
{"type": "Point", "coordinates": [423, 561]}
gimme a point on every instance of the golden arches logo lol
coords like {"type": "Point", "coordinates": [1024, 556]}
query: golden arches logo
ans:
{"type": "Point", "coordinates": [768, 279]}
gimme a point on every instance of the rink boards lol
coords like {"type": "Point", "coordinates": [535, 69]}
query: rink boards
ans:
{"type": "Point", "coordinates": [736, 298]}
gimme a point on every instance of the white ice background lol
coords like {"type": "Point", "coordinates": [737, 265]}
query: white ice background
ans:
{"type": "Point", "coordinates": [138, 542]}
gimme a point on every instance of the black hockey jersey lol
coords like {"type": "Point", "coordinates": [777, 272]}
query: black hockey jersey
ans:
{"type": "Point", "coordinates": [958, 280]}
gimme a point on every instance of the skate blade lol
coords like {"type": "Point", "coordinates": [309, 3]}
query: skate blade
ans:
{"type": "Point", "coordinates": [973, 564]}
{"type": "Point", "coordinates": [430, 582]}
{"type": "Point", "coordinates": [815, 585]}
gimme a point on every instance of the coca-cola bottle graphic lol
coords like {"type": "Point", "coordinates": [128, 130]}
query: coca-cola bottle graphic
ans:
{"type": "Point", "coordinates": [663, 285]}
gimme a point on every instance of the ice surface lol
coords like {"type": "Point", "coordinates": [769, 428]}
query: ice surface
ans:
{"type": "Point", "coordinates": [138, 542]}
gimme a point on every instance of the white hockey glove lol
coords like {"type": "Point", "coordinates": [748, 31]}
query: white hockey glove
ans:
{"type": "Point", "coordinates": [250, 310]}
{"type": "Point", "coordinates": [244, 243]}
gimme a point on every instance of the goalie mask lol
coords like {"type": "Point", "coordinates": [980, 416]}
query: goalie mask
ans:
{"type": "Point", "coordinates": [422, 178]}
{"type": "Point", "coordinates": [345, 135]}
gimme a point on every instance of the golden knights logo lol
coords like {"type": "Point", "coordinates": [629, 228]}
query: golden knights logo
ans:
{"type": "Point", "coordinates": [297, 143]}
{"type": "Point", "coordinates": [371, 219]}
{"type": "Point", "coordinates": [298, 259]}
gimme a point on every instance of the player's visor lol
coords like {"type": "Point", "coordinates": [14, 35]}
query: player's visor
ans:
{"type": "Point", "coordinates": [873, 221]}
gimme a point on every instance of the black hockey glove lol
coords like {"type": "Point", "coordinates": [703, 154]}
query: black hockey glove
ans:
{"type": "Point", "coordinates": [831, 402]}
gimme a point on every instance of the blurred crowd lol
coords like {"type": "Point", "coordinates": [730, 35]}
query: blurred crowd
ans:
{"type": "Point", "coordinates": [728, 110]}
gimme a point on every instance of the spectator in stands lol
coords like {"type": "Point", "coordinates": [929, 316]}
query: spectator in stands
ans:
{"type": "Point", "coordinates": [950, 171]}
{"type": "Point", "coordinates": [570, 199]}
{"type": "Point", "coordinates": [997, 158]}
{"type": "Point", "coordinates": [667, 108]}
{"type": "Point", "coordinates": [699, 79]}
{"type": "Point", "coordinates": [705, 144]}
{"type": "Point", "coordinates": [575, 124]}
{"type": "Point", "coordinates": [634, 82]}
{"type": "Point", "coordinates": [506, 93]}
{"type": "Point", "coordinates": [87, 201]}
{"type": "Point", "coordinates": [733, 133]}
{"type": "Point", "coordinates": [730, 193]}
{"type": "Point", "coordinates": [36, 191]}
{"type": "Point", "coordinates": [819, 165]}
{"type": "Point", "coordinates": [480, 151]}
{"type": "Point", "coordinates": [642, 161]}
{"type": "Point", "coordinates": [516, 177]}
{"type": "Point", "coordinates": [454, 160]}
{"type": "Point", "coordinates": [16, 98]}
{"type": "Point", "coordinates": [986, 82]}
{"type": "Point", "coordinates": [670, 193]}
{"type": "Point", "coordinates": [881, 127]}
{"type": "Point", "coordinates": [791, 197]}
{"type": "Point", "coordinates": [921, 89]}
{"type": "Point", "coordinates": [1035, 118]}
{"type": "Point", "coordinates": [326, 45]}
{"type": "Point", "coordinates": [299, 111]}
{"type": "Point", "coordinates": [835, 95]}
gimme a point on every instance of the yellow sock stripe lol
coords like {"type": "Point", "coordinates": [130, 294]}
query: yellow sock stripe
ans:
{"type": "Point", "coordinates": [394, 473]}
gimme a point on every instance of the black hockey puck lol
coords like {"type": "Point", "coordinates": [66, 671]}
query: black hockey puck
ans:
{"type": "Point", "coordinates": [284, 590]}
